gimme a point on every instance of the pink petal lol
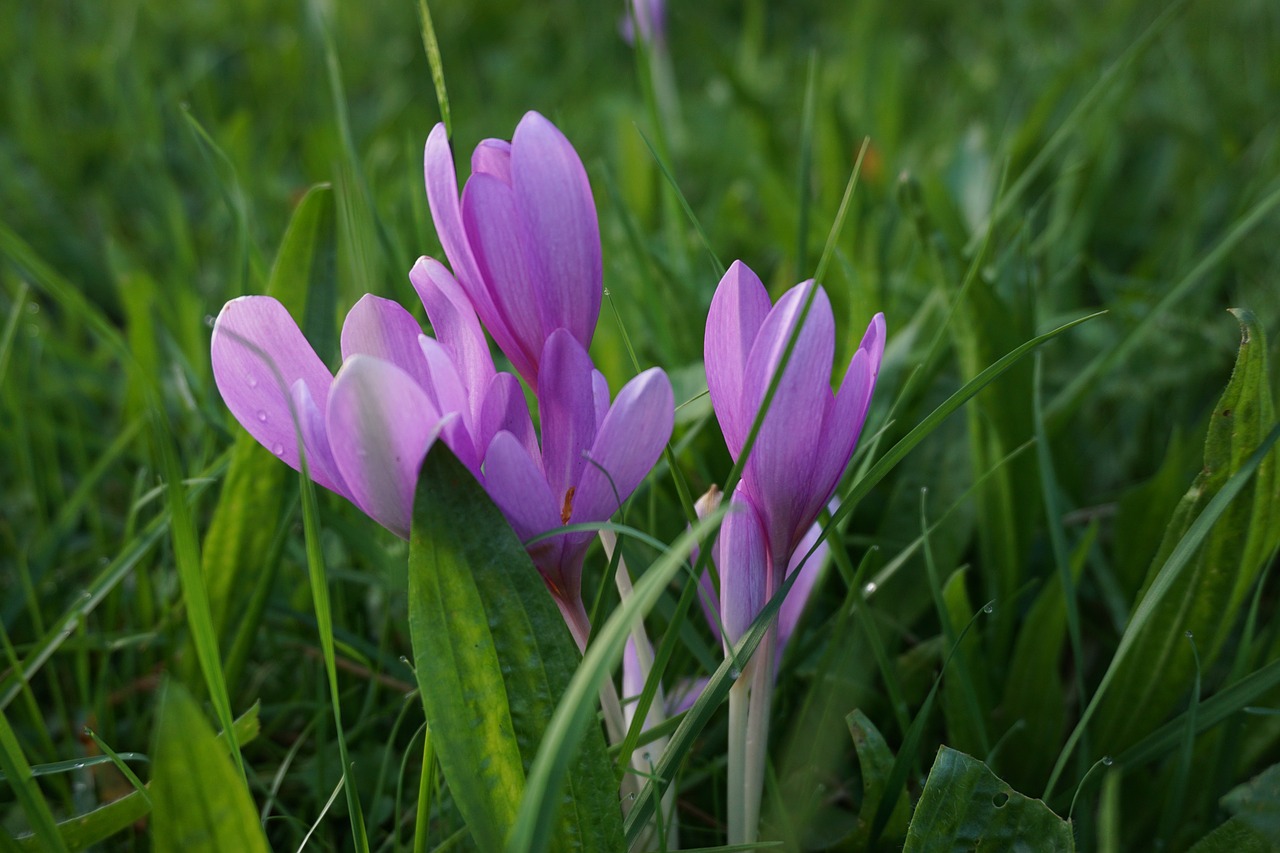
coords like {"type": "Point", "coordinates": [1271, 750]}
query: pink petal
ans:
{"type": "Point", "coordinates": [555, 198]}
{"type": "Point", "coordinates": [517, 486]}
{"type": "Point", "coordinates": [504, 409]}
{"type": "Point", "coordinates": [455, 324]}
{"type": "Point", "coordinates": [737, 312]}
{"type": "Point", "coordinates": [385, 330]}
{"type": "Point", "coordinates": [258, 354]}
{"type": "Point", "coordinates": [380, 426]}
{"type": "Point", "coordinates": [793, 605]}
{"type": "Point", "coordinates": [841, 430]}
{"type": "Point", "coordinates": [492, 157]}
{"type": "Point", "coordinates": [630, 441]}
{"type": "Point", "coordinates": [315, 437]}
{"type": "Point", "coordinates": [442, 197]}
{"type": "Point", "coordinates": [512, 272]}
{"type": "Point", "coordinates": [567, 409]}
{"type": "Point", "coordinates": [744, 572]}
{"type": "Point", "coordinates": [780, 469]}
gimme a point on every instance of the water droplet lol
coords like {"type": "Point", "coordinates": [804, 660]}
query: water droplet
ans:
{"type": "Point", "coordinates": [277, 449]}
{"type": "Point", "coordinates": [989, 609]}
{"type": "Point", "coordinates": [870, 588]}
{"type": "Point", "coordinates": [1107, 761]}
{"type": "Point", "coordinates": [208, 320]}
{"type": "Point", "coordinates": [734, 673]}
{"type": "Point", "coordinates": [251, 379]}
{"type": "Point", "coordinates": [362, 452]}
{"type": "Point", "coordinates": [262, 416]}
{"type": "Point", "coordinates": [1190, 636]}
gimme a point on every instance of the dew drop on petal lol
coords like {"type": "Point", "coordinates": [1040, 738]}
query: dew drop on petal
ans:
{"type": "Point", "coordinates": [277, 449]}
{"type": "Point", "coordinates": [262, 416]}
{"type": "Point", "coordinates": [251, 379]}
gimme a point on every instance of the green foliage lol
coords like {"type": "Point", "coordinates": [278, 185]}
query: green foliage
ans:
{"type": "Point", "coordinates": [493, 658]}
{"type": "Point", "coordinates": [1212, 586]}
{"type": "Point", "coordinates": [1023, 170]}
{"type": "Point", "coordinates": [199, 802]}
{"type": "Point", "coordinates": [964, 806]}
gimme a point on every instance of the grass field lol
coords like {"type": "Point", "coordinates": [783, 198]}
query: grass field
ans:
{"type": "Point", "coordinates": [1067, 579]}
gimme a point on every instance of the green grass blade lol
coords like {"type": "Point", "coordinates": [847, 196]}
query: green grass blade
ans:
{"type": "Point", "coordinates": [186, 553]}
{"type": "Point", "coordinates": [200, 801]}
{"type": "Point", "coordinates": [576, 709]}
{"type": "Point", "coordinates": [1168, 575]}
{"type": "Point", "coordinates": [324, 625]}
{"type": "Point", "coordinates": [432, 49]}
{"type": "Point", "coordinates": [27, 791]}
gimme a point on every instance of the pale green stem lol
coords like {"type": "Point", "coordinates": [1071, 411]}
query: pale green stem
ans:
{"type": "Point", "coordinates": [642, 759]}
{"type": "Point", "coordinates": [575, 616]}
{"type": "Point", "coordinates": [739, 696]}
{"type": "Point", "coordinates": [757, 735]}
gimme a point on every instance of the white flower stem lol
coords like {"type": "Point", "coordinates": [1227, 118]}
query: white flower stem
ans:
{"type": "Point", "coordinates": [642, 759]}
{"type": "Point", "coordinates": [739, 696]}
{"type": "Point", "coordinates": [575, 616]}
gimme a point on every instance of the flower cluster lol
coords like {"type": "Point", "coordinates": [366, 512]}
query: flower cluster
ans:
{"type": "Point", "coordinates": [525, 249]}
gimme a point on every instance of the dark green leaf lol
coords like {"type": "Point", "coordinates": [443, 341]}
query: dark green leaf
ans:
{"type": "Point", "coordinates": [493, 658]}
{"type": "Point", "coordinates": [966, 807]}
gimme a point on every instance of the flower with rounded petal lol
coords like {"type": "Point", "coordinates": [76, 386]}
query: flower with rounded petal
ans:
{"type": "Point", "coordinates": [522, 238]}
{"type": "Point", "coordinates": [806, 438]}
{"type": "Point", "coordinates": [593, 456]}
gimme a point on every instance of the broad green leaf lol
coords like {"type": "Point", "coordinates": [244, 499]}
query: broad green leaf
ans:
{"type": "Point", "coordinates": [966, 807]}
{"type": "Point", "coordinates": [200, 802]}
{"type": "Point", "coordinates": [1234, 836]}
{"type": "Point", "coordinates": [1256, 803]}
{"type": "Point", "coordinates": [237, 553]}
{"type": "Point", "coordinates": [1160, 668]}
{"type": "Point", "coordinates": [493, 658]}
{"type": "Point", "coordinates": [876, 763]}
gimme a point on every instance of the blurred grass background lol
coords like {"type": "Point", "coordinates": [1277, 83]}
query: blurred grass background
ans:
{"type": "Point", "coordinates": [151, 156]}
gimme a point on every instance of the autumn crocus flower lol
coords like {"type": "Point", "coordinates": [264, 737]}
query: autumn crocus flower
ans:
{"type": "Point", "coordinates": [366, 430]}
{"type": "Point", "coordinates": [522, 239]}
{"type": "Point", "coordinates": [808, 434]}
{"type": "Point", "coordinates": [803, 446]}
{"type": "Point", "coordinates": [592, 457]}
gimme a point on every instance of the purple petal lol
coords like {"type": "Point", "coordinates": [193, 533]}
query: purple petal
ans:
{"type": "Point", "coordinates": [517, 486]}
{"type": "Point", "coordinates": [380, 425]}
{"type": "Point", "coordinates": [448, 395]}
{"type": "Point", "coordinates": [258, 354]}
{"type": "Point", "coordinates": [780, 469]}
{"type": "Point", "coordinates": [793, 605]}
{"type": "Point", "coordinates": [492, 157]}
{"type": "Point", "coordinates": [315, 437]}
{"type": "Point", "coordinates": [442, 197]}
{"type": "Point", "coordinates": [630, 441]}
{"type": "Point", "coordinates": [504, 409]}
{"type": "Point", "coordinates": [567, 409]}
{"type": "Point", "coordinates": [710, 604]}
{"type": "Point", "coordinates": [385, 330]}
{"type": "Point", "coordinates": [681, 697]}
{"type": "Point", "coordinates": [454, 321]}
{"type": "Point", "coordinates": [512, 272]}
{"type": "Point", "coordinates": [848, 414]}
{"type": "Point", "coordinates": [841, 430]}
{"type": "Point", "coordinates": [555, 198]}
{"type": "Point", "coordinates": [744, 572]}
{"type": "Point", "coordinates": [737, 312]}
{"type": "Point", "coordinates": [600, 395]}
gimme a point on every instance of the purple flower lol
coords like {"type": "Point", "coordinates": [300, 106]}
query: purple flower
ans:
{"type": "Point", "coordinates": [593, 455]}
{"type": "Point", "coordinates": [806, 439]}
{"type": "Point", "coordinates": [648, 17]}
{"type": "Point", "coordinates": [523, 238]}
{"type": "Point", "coordinates": [366, 430]}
